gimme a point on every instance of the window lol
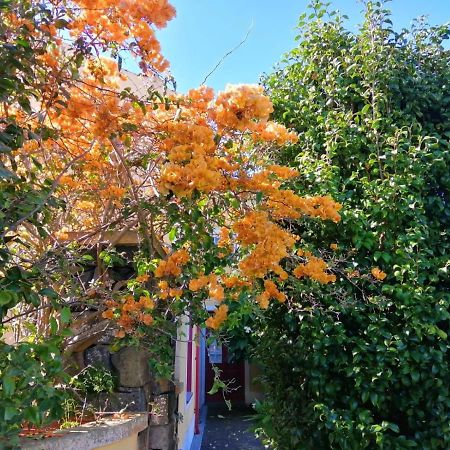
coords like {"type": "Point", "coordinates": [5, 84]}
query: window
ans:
{"type": "Point", "coordinates": [215, 353]}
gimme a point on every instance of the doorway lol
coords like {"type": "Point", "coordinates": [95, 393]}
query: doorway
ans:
{"type": "Point", "coordinates": [231, 372]}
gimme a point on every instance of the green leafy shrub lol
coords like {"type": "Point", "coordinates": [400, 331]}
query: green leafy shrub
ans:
{"type": "Point", "coordinates": [29, 391]}
{"type": "Point", "coordinates": [31, 372]}
{"type": "Point", "coordinates": [364, 363]}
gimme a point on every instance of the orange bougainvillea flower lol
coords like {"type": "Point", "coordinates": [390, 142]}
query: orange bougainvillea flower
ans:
{"type": "Point", "coordinates": [378, 273]}
{"type": "Point", "coordinates": [163, 285]}
{"type": "Point", "coordinates": [173, 265]}
{"type": "Point", "coordinates": [142, 278]}
{"type": "Point", "coordinates": [224, 238]}
{"type": "Point", "coordinates": [146, 319]}
{"type": "Point", "coordinates": [220, 315]}
{"type": "Point", "coordinates": [216, 292]}
{"type": "Point", "coordinates": [271, 288]}
{"type": "Point", "coordinates": [270, 291]}
{"type": "Point", "coordinates": [315, 268]}
{"type": "Point", "coordinates": [175, 292]}
{"type": "Point", "coordinates": [198, 283]}
{"type": "Point", "coordinates": [146, 302]}
{"type": "Point", "coordinates": [108, 314]}
{"type": "Point", "coordinates": [120, 334]}
{"type": "Point", "coordinates": [263, 300]}
{"type": "Point", "coordinates": [353, 274]}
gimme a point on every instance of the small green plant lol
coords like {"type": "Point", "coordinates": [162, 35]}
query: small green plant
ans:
{"type": "Point", "coordinates": [73, 413]}
{"type": "Point", "coordinates": [93, 380]}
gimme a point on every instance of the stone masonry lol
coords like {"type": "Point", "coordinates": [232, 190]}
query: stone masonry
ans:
{"type": "Point", "coordinates": [138, 391]}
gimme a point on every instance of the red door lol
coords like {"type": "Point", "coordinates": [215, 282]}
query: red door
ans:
{"type": "Point", "coordinates": [233, 373]}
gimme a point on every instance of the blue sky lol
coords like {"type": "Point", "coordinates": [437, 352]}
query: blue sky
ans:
{"type": "Point", "coordinates": [205, 30]}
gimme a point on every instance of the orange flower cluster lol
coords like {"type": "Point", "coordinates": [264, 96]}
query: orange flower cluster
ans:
{"type": "Point", "coordinates": [142, 278]}
{"type": "Point", "coordinates": [165, 291]}
{"type": "Point", "coordinates": [378, 274]}
{"type": "Point", "coordinates": [286, 204]}
{"type": "Point", "coordinates": [235, 282]}
{"type": "Point", "coordinates": [224, 238]}
{"type": "Point", "coordinates": [191, 150]}
{"type": "Point", "coordinates": [172, 265]}
{"type": "Point", "coordinates": [314, 268]}
{"type": "Point", "coordinates": [220, 315]}
{"type": "Point", "coordinates": [184, 180]}
{"type": "Point", "coordinates": [197, 160]}
{"type": "Point", "coordinates": [128, 313]}
{"type": "Point", "coordinates": [114, 21]}
{"type": "Point", "coordinates": [107, 144]}
{"type": "Point", "coordinates": [353, 274]}
{"type": "Point", "coordinates": [200, 98]}
{"type": "Point", "coordinates": [283, 172]}
{"type": "Point", "coordinates": [270, 291]}
{"type": "Point", "coordinates": [283, 203]}
{"type": "Point", "coordinates": [199, 283]}
{"type": "Point", "coordinates": [274, 132]}
{"type": "Point", "coordinates": [239, 106]}
{"type": "Point", "coordinates": [113, 192]}
{"type": "Point", "coordinates": [247, 109]}
{"type": "Point", "coordinates": [271, 244]}
{"type": "Point", "coordinates": [68, 181]}
{"type": "Point", "coordinates": [216, 291]}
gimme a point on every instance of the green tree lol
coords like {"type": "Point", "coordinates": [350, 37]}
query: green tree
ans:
{"type": "Point", "coordinates": [364, 363]}
{"type": "Point", "coordinates": [29, 371]}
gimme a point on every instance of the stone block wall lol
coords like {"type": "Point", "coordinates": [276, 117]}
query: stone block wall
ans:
{"type": "Point", "coordinates": [137, 391]}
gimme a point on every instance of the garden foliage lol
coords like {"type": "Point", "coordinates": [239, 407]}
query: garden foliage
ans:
{"type": "Point", "coordinates": [364, 363]}
{"type": "Point", "coordinates": [29, 370]}
{"type": "Point", "coordinates": [90, 152]}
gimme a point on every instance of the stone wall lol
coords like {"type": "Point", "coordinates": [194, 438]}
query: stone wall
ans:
{"type": "Point", "coordinates": [106, 434]}
{"type": "Point", "coordinates": [137, 391]}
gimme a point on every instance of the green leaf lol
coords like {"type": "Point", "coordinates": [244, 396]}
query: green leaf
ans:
{"type": "Point", "coordinates": [6, 174]}
{"type": "Point", "coordinates": [365, 109]}
{"type": "Point", "coordinates": [172, 234]}
{"type": "Point", "coordinates": [32, 415]}
{"type": "Point", "coordinates": [65, 315]}
{"type": "Point", "coordinates": [48, 292]}
{"type": "Point", "coordinates": [9, 386]}
{"type": "Point", "coordinates": [6, 297]}
{"type": "Point", "coordinates": [374, 398]}
{"type": "Point", "coordinates": [215, 388]}
{"type": "Point", "coordinates": [53, 325]}
{"type": "Point", "coordinates": [10, 412]}
{"type": "Point", "coordinates": [5, 4]}
{"type": "Point", "coordinates": [394, 427]}
{"type": "Point", "coordinates": [365, 396]}
{"type": "Point", "coordinates": [442, 334]}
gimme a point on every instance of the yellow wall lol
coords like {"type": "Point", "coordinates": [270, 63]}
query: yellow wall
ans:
{"type": "Point", "coordinates": [130, 443]}
{"type": "Point", "coordinates": [185, 428]}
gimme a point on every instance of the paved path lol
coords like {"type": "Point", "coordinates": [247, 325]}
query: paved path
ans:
{"type": "Point", "coordinates": [229, 430]}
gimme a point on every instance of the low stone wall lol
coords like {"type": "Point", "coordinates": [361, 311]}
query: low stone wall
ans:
{"type": "Point", "coordinates": [106, 434]}
{"type": "Point", "coordinates": [138, 391]}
